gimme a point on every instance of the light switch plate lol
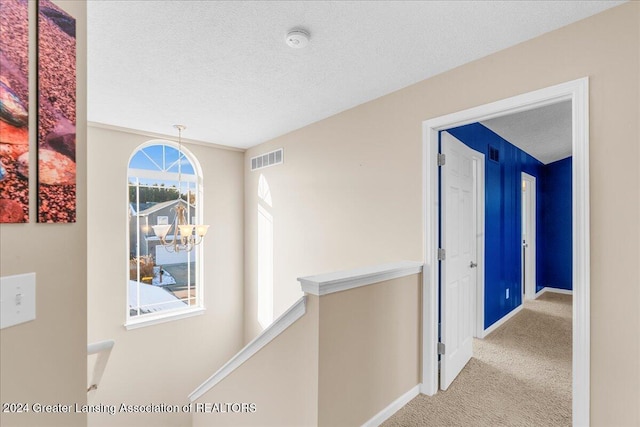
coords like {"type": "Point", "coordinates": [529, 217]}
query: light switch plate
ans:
{"type": "Point", "coordinates": [17, 299]}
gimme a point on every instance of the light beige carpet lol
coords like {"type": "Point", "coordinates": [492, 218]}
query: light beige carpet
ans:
{"type": "Point", "coordinates": [520, 375]}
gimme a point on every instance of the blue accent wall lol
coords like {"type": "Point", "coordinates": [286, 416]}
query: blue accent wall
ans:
{"type": "Point", "coordinates": [503, 227]}
{"type": "Point", "coordinates": [555, 263]}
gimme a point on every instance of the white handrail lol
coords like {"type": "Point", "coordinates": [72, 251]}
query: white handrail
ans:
{"type": "Point", "coordinates": [103, 350]}
{"type": "Point", "coordinates": [100, 346]}
{"type": "Point", "coordinates": [294, 312]}
{"type": "Point", "coordinates": [321, 284]}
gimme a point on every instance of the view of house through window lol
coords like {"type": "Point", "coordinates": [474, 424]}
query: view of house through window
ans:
{"type": "Point", "coordinates": [161, 279]}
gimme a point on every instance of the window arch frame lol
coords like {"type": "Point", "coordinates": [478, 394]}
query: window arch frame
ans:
{"type": "Point", "coordinates": [148, 319]}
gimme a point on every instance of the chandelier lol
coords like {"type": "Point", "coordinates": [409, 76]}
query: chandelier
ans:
{"type": "Point", "coordinates": [185, 236]}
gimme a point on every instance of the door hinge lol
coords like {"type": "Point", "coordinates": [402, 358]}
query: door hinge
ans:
{"type": "Point", "coordinates": [440, 348]}
{"type": "Point", "coordinates": [442, 255]}
{"type": "Point", "coordinates": [442, 159]}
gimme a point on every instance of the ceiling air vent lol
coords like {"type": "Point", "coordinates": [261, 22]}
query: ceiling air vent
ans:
{"type": "Point", "coordinates": [268, 159]}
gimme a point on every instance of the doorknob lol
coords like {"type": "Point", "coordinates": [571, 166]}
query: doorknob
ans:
{"type": "Point", "coordinates": [473, 265]}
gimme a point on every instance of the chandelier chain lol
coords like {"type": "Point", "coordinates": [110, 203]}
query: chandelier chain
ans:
{"type": "Point", "coordinates": [185, 235]}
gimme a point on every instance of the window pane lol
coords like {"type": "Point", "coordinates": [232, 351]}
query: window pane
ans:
{"type": "Point", "coordinates": [142, 161]}
{"type": "Point", "coordinates": [159, 279]}
{"type": "Point", "coordinates": [161, 158]}
{"type": "Point", "coordinates": [172, 163]}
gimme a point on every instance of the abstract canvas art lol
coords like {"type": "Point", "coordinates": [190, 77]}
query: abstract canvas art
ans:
{"type": "Point", "coordinates": [56, 114]}
{"type": "Point", "coordinates": [14, 111]}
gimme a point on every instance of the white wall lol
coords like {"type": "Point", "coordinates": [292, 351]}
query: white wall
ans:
{"type": "Point", "coordinates": [369, 349]}
{"type": "Point", "coordinates": [161, 363]}
{"type": "Point", "coordinates": [339, 202]}
{"type": "Point", "coordinates": [347, 358]}
{"type": "Point", "coordinates": [281, 380]}
{"type": "Point", "coordinates": [349, 191]}
{"type": "Point", "coordinates": [45, 360]}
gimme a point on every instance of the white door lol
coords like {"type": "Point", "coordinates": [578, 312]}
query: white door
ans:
{"type": "Point", "coordinates": [528, 235]}
{"type": "Point", "coordinates": [458, 272]}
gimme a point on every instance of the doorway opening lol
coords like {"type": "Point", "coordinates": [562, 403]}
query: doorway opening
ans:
{"type": "Point", "coordinates": [577, 92]}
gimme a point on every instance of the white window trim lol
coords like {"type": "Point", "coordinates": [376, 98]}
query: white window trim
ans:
{"type": "Point", "coordinates": [134, 173]}
{"type": "Point", "coordinates": [149, 319]}
{"type": "Point", "coordinates": [157, 318]}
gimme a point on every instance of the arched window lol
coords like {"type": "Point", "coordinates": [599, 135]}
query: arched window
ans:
{"type": "Point", "coordinates": [265, 254]}
{"type": "Point", "coordinates": [162, 283]}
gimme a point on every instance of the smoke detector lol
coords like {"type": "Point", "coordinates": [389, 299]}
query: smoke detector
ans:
{"type": "Point", "coordinates": [297, 39]}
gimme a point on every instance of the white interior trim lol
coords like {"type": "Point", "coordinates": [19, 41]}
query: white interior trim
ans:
{"type": "Point", "coordinates": [161, 175]}
{"type": "Point", "coordinates": [530, 285]}
{"type": "Point", "coordinates": [480, 238]}
{"type": "Point", "coordinates": [143, 320]}
{"type": "Point", "coordinates": [553, 290]}
{"type": "Point", "coordinates": [393, 407]}
{"type": "Point", "coordinates": [323, 284]}
{"type": "Point", "coordinates": [578, 92]}
{"type": "Point", "coordinates": [296, 311]}
{"type": "Point", "coordinates": [502, 321]}
{"type": "Point", "coordinates": [162, 317]}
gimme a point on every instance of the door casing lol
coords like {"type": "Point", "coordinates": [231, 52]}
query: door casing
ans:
{"type": "Point", "coordinates": [578, 92]}
{"type": "Point", "coordinates": [529, 263]}
{"type": "Point", "coordinates": [478, 163]}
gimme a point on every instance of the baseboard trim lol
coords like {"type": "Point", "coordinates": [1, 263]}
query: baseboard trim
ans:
{"type": "Point", "coordinates": [394, 407]}
{"type": "Point", "coordinates": [502, 321]}
{"type": "Point", "coordinates": [553, 290]}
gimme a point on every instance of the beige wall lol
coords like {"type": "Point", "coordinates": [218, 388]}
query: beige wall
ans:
{"type": "Point", "coordinates": [285, 393]}
{"type": "Point", "coordinates": [338, 204]}
{"type": "Point", "coordinates": [349, 192]}
{"type": "Point", "coordinates": [44, 361]}
{"type": "Point", "coordinates": [161, 363]}
{"type": "Point", "coordinates": [328, 368]}
{"type": "Point", "coordinates": [369, 349]}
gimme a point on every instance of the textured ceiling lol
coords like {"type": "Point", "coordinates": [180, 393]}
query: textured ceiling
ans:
{"type": "Point", "coordinates": [224, 70]}
{"type": "Point", "coordinates": [545, 132]}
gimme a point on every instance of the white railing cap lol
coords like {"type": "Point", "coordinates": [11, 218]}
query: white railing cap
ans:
{"type": "Point", "coordinates": [323, 284]}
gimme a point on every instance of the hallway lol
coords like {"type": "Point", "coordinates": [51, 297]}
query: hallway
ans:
{"type": "Point", "coordinates": [520, 375]}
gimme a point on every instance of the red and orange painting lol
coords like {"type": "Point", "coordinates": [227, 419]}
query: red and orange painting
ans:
{"type": "Point", "coordinates": [14, 111]}
{"type": "Point", "coordinates": [56, 114]}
